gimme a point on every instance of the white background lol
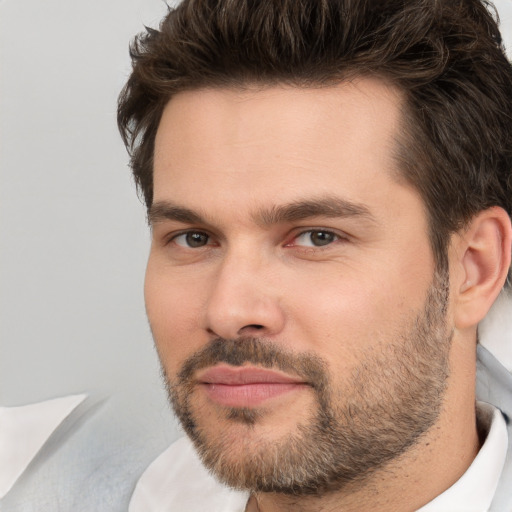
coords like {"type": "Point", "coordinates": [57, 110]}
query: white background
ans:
{"type": "Point", "coordinates": [73, 235]}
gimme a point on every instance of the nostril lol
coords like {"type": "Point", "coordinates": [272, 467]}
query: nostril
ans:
{"type": "Point", "coordinates": [250, 328]}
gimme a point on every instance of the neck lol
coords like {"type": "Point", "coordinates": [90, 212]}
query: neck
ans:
{"type": "Point", "coordinates": [439, 458]}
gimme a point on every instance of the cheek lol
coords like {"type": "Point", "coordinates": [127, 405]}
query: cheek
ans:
{"type": "Point", "coordinates": [340, 321]}
{"type": "Point", "coordinates": [347, 316]}
{"type": "Point", "coordinates": [173, 310]}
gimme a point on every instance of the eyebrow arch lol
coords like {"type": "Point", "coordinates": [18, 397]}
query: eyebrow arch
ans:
{"type": "Point", "coordinates": [329, 207]}
{"type": "Point", "coordinates": [165, 210]}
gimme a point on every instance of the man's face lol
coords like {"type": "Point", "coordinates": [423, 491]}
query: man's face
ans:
{"type": "Point", "coordinates": [291, 287]}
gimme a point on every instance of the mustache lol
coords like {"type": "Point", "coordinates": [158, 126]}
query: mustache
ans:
{"type": "Point", "coordinates": [257, 351]}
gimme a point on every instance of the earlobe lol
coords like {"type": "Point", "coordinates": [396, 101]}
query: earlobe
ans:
{"type": "Point", "coordinates": [484, 257]}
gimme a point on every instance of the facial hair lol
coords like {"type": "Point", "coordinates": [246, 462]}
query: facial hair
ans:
{"type": "Point", "coordinates": [392, 397]}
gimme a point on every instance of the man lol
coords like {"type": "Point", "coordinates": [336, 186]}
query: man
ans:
{"type": "Point", "coordinates": [329, 190]}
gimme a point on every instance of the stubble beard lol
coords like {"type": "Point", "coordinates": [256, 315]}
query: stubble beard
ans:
{"type": "Point", "coordinates": [391, 399]}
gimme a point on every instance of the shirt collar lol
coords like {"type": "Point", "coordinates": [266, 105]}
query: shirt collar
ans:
{"type": "Point", "coordinates": [474, 491]}
{"type": "Point", "coordinates": [24, 431]}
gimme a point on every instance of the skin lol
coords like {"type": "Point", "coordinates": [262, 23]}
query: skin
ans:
{"type": "Point", "coordinates": [229, 155]}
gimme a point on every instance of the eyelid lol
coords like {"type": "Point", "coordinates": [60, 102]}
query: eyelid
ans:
{"type": "Point", "coordinates": [340, 236]}
{"type": "Point", "coordinates": [296, 233]}
{"type": "Point", "coordinates": [171, 237]}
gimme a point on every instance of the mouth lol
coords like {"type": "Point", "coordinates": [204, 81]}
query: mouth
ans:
{"type": "Point", "coordinates": [246, 386]}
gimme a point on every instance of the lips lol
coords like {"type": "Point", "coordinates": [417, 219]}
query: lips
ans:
{"type": "Point", "coordinates": [246, 386]}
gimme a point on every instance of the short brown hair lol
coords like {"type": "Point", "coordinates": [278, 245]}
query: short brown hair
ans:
{"type": "Point", "coordinates": [446, 56]}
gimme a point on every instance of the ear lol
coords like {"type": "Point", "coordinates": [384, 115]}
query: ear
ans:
{"type": "Point", "coordinates": [483, 260]}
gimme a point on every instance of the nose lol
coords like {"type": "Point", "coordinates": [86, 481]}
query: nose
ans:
{"type": "Point", "coordinates": [244, 300]}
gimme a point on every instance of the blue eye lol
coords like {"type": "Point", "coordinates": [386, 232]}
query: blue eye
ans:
{"type": "Point", "coordinates": [192, 239]}
{"type": "Point", "coordinates": [316, 238]}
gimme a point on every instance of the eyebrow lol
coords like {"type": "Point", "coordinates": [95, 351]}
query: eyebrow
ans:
{"type": "Point", "coordinates": [165, 210]}
{"type": "Point", "coordinates": [329, 207]}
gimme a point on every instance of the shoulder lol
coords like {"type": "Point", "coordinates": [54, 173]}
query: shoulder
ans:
{"type": "Point", "coordinates": [178, 481]}
{"type": "Point", "coordinates": [87, 457]}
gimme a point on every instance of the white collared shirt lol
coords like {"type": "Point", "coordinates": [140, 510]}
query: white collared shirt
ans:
{"type": "Point", "coordinates": [177, 481]}
{"type": "Point", "coordinates": [474, 491]}
{"type": "Point", "coordinates": [23, 432]}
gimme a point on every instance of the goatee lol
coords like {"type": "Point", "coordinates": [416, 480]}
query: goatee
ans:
{"type": "Point", "coordinates": [390, 399]}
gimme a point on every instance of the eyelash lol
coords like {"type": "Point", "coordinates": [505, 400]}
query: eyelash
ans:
{"type": "Point", "coordinates": [188, 232]}
{"type": "Point", "coordinates": [335, 238]}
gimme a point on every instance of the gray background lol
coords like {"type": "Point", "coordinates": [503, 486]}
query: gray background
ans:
{"type": "Point", "coordinates": [73, 235]}
{"type": "Point", "coordinates": [73, 239]}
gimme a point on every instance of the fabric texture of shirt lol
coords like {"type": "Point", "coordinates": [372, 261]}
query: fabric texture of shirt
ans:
{"type": "Point", "coordinates": [90, 459]}
{"type": "Point", "coordinates": [23, 432]}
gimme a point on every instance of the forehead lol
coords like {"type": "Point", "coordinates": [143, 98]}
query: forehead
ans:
{"type": "Point", "coordinates": [274, 144]}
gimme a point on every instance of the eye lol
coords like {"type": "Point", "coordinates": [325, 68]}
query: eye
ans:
{"type": "Point", "coordinates": [191, 239]}
{"type": "Point", "coordinates": [315, 238]}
